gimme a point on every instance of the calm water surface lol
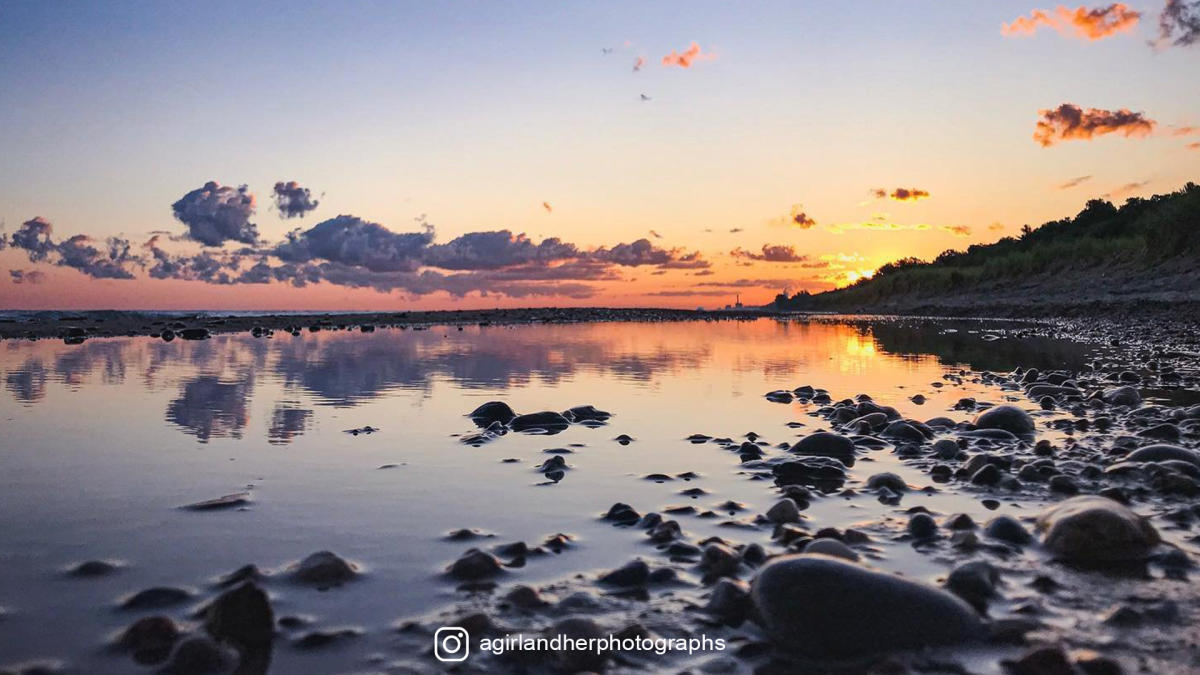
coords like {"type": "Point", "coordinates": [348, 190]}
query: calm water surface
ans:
{"type": "Point", "coordinates": [102, 442]}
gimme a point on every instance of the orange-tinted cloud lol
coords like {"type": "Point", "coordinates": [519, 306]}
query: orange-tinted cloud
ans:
{"type": "Point", "coordinates": [546, 205]}
{"type": "Point", "coordinates": [1126, 190]}
{"type": "Point", "coordinates": [1070, 122]}
{"type": "Point", "coordinates": [996, 227]}
{"type": "Point", "coordinates": [638, 63]}
{"type": "Point", "coordinates": [901, 194]}
{"type": "Point", "coordinates": [1194, 146]}
{"type": "Point", "coordinates": [796, 217]}
{"type": "Point", "coordinates": [1081, 22]}
{"type": "Point", "coordinates": [778, 253]}
{"type": "Point", "coordinates": [958, 230]}
{"type": "Point", "coordinates": [1078, 180]}
{"type": "Point", "coordinates": [688, 57]}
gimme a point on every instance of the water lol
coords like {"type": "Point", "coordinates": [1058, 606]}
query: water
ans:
{"type": "Point", "coordinates": [102, 442]}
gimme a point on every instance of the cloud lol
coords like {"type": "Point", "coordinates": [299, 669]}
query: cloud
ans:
{"type": "Point", "coordinates": [493, 250]}
{"type": "Point", "coordinates": [655, 234]}
{"type": "Point", "coordinates": [110, 262]}
{"type": "Point", "coordinates": [885, 226]}
{"type": "Point", "coordinates": [688, 57]}
{"type": "Point", "coordinates": [638, 63]}
{"type": "Point", "coordinates": [778, 253]}
{"type": "Point", "coordinates": [1193, 146]}
{"type": "Point", "coordinates": [546, 205]}
{"type": "Point", "coordinates": [796, 218]}
{"type": "Point", "coordinates": [995, 227]}
{"type": "Point", "coordinates": [1126, 190]}
{"type": "Point", "coordinates": [293, 200]}
{"type": "Point", "coordinates": [643, 252]}
{"type": "Point", "coordinates": [353, 241]}
{"type": "Point", "coordinates": [958, 230]}
{"type": "Point", "coordinates": [1185, 131]}
{"type": "Point", "coordinates": [1070, 122]}
{"type": "Point", "coordinates": [1179, 23]}
{"type": "Point", "coordinates": [901, 194]}
{"type": "Point", "coordinates": [1074, 182]}
{"type": "Point", "coordinates": [1081, 22]}
{"type": "Point", "coordinates": [215, 214]}
{"type": "Point", "coordinates": [26, 276]}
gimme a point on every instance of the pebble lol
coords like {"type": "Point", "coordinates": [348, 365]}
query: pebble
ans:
{"type": "Point", "coordinates": [1006, 418]}
{"type": "Point", "coordinates": [1096, 530]}
{"type": "Point", "coordinates": [324, 568]}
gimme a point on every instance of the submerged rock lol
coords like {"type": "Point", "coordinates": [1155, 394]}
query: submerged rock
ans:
{"type": "Point", "coordinates": [586, 413]}
{"type": "Point", "coordinates": [199, 656]}
{"type": "Point", "coordinates": [93, 568]}
{"type": "Point", "coordinates": [1096, 530]}
{"type": "Point", "coordinates": [324, 568]}
{"type": "Point", "coordinates": [539, 421]}
{"type": "Point", "coordinates": [226, 502]}
{"type": "Point", "coordinates": [828, 609]}
{"type": "Point", "coordinates": [150, 639]}
{"type": "Point", "coordinates": [474, 565]}
{"type": "Point", "coordinates": [825, 444]}
{"type": "Point", "coordinates": [1006, 418]}
{"type": "Point", "coordinates": [242, 616]}
{"type": "Point", "coordinates": [492, 411]}
{"type": "Point", "coordinates": [153, 598]}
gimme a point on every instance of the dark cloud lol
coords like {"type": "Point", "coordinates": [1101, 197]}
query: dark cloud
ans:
{"type": "Point", "coordinates": [1179, 22]}
{"type": "Point", "coordinates": [1078, 180]}
{"type": "Point", "coordinates": [773, 253]}
{"type": "Point", "coordinates": [26, 276]}
{"type": "Point", "coordinates": [732, 230]}
{"type": "Point", "coordinates": [643, 252]}
{"type": "Point", "coordinates": [1070, 122]}
{"type": "Point", "coordinates": [901, 194]}
{"type": "Point", "coordinates": [111, 261]}
{"type": "Point", "coordinates": [655, 234]}
{"type": "Point", "coordinates": [494, 250]}
{"type": "Point", "coordinates": [353, 241]}
{"type": "Point", "coordinates": [215, 214]}
{"type": "Point", "coordinates": [293, 200]}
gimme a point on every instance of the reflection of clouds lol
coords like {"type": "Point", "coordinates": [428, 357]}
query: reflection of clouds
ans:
{"type": "Point", "coordinates": [287, 422]}
{"type": "Point", "coordinates": [27, 383]}
{"type": "Point", "coordinates": [210, 408]}
{"type": "Point", "coordinates": [77, 365]}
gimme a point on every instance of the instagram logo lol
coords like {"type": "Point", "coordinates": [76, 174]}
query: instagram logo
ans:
{"type": "Point", "coordinates": [451, 644]}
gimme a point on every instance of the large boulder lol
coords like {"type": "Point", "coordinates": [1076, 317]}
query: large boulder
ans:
{"type": "Point", "coordinates": [1096, 530]}
{"type": "Point", "coordinates": [827, 609]}
{"type": "Point", "coordinates": [1008, 418]}
{"type": "Point", "coordinates": [1162, 452]}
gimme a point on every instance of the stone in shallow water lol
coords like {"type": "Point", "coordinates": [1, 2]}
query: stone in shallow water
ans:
{"type": "Point", "coordinates": [1096, 530]}
{"type": "Point", "coordinates": [153, 598]}
{"type": "Point", "coordinates": [547, 420]}
{"type": "Point", "coordinates": [831, 547]}
{"type": "Point", "coordinates": [226, 502]}
{"type": "Point", "coordinates": [825, 444]}
{"type": "Point", "coordinates": [474, 565]}
{"type": "Point", "coordinates": [1008, 529]}
{"type": "Point", "coordinates": [93, 568]}
{"type": "Point", "coordinates": [1006, 418]}
{"type": "Point", "coordinates": [242, 616]}
{"type": "Point", "coordinates": [582, 413]}
{"type": "Point", "coordinates": [150, 639]}
{"type": "Point", "coordinates": [198, 655]}
{"type": "Point", "coordinates": [784, 511]}
{"type": "Point", "coordinates": [324, 568]}
{"type": "Point", "coordinates": [1162, 452]}
{"type": "Point", "coordinates": [824, 608]}
{"type": "Point", "coordinates": [492, 411]}
{"type": "Point", "coordinates": [1128, 396]}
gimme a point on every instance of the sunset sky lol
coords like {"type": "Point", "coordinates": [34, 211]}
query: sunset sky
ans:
{"type": "Point", "coordinates": [674, 153]}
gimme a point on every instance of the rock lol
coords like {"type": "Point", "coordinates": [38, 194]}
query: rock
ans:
{"type": "Point", "coordinates": [199, 656]}
{"type": "Point", "coordinates": [632, 573]}
{"type": "Point", "coordinates": [150, 639]}
{"type": "Point", "coordinates": [1095, 530]}
{"type": "Point", "coordinates": [1045, 660]}
{"type": "Point", "coordinates": [719, 560]}
{"type": "Point", "coordinates": [154, 598]}
{"type": "Point", "coordinates": [474, 565]}
{"type": "Point", "coordinates": [988, 474]}
{"type": "Point", "coordinates": [784, 511]}
{"type": "Point", "coordinates": [1006, 418]}
{"type": "Point", "coordinates": [242, 616]}
{"type": "Point", "coordinates": [1162, 452]}
{"type": "Point", "coordinates": [93, 568]}
{"type": "Point", "coordinates": [922, 526]}
{"type": "Point", "coordinates": [781, 396]}
{"type": "Point", "coordinates": [226, 502]}
{"type": "Point", "coordinates": [974, 582]}
{"type": "Point", "coordinates": [831, 547]}
{"type": "Point", "coordinates": [622, 514]}
{"type": "Point", "coordinates": [887, 480]}
{"type": "Point", "coordinates": [1127, 396]}
{"type": "Point", "coordinates": [546, 421]}
{"type": "Point", "coordinates": [824, 444]}
{"type": "Point", "coordinates": [1063, 485]}
{"type": "Point", "coordinates": [492, 411]}
{"type": "Point", "coordinates": [525, 597]}
{"type": "Point", "coordinates": [586, 413]}
{"type": "Point", "coordinates": [820, 472]}
{"type": "Point", "coordinates": [824, 608]}
{"type": "Point", "coordinates": [324, 568]}
{"type": "Point", "coordinates": [1007, 529]}
{"type": "Point", "coordinates": [729, 601]}
{"type": "Point", "coordinates": [194, 334]}
{"type": "Point", "coordinates": [323, 638]}
{"type": "Point", "coordinates": [946, 449]}
{"type": "Point", "coordinates": [577, 660]}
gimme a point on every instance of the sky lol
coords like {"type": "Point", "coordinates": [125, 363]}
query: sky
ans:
{"type": "Point", "coordinates": [413, 155]}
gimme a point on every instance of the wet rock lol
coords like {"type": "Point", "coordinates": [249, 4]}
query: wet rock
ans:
{"type": "Point", "coordinates": [242, 616]}
{"type": "Point", "coordinates": [194, 334]}
{"type": "Point", "coordinates": [825, 444]}
{"type": "Point", "coordinates": [586, 413]}
{"type": "Point", "coordinates": [784, 511]}
{"type": "Point", "coordinates": [93, 568]}
{"type": "Point", "coordinates": [1162, 452]}
{"type": "Point", "coordinates": [719, 560]}
{"type": "Point", "coordinates": [821, 472]}
{"type": "Point", "coordinates": [324, 568]}
{"type": "Point", "coordinates": [154, 598]}
{"type": "Point", "coordinates": [1127, 396]}
{"type": "Point", "coordinates": [323, 638]}
{"type": "Point", "coordinates": [1095, 530]}
{"type": "Point", "coordinates": [887, 480]}
{"type": "Point", "coordinates": [525, 597]}
{"type": "Point", "coordinates": [988, 474]}
{"type": "Point", "coordinates": [824, 608]}
{"type": "Point", "coordinates": [492, 411]}
{"type": "Point", "coordinates": [922, 526]}
{"type": "Point", "coordinates": [199, 656]}
{"type": "Point", "coordinates": [781, 396]}
{"type": "Point", "coordinates": [226, 502]}
{"type": "Point", "coordinates": [624, 439]}
{"type": "Point", "coordinates": [1006, 418]}
{"type": "Point", "coordinates": [1064, 485]}
{"type": "Point", "coordinates": [1008, 529]}
{"type": "Point", "coordinates": [547, 421]}
{"type": "Point", "coordinates": [1045, 660]}
{"type": "Point", "coordinates": [622, 514]}
{"type": "Point", "coordinates": [729, 601]}
{"type": "Point", "coordinates": [150, 639]}
{"type": "Point", "coordinates": [831, 547]}
{"type": "Point", "coordinates": [577, 660]}
{"type": "Point", "coordinates": [632, 573]}
{"type": "Point", "coordinates": [474, 565]}
{"type": "Point", "coordinates": [974, 582]}
{"type": "Point", "coordinates": [946, 449]}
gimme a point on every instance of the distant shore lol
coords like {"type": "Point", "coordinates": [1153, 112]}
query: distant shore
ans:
{"type": "Point", "coordinates": [112, 323]}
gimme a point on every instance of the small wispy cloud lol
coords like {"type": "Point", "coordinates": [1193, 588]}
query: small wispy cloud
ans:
{"type": "Point", "coordinates": [958, 230]}
{"type": "Point", "coordinates": [901, 194]}
{"type": "Point", "coordinates": [1070, 122]}
{"type": "Point", "coordinates": [1074, 182]}
{"type": "Point", "coordinates": [1081, 22]}
{"type": "Point", "coordinates": [685, 59]}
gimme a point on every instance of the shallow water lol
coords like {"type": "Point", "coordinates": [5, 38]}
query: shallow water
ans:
{"type": "Point", "coordinates": [102, 442]}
